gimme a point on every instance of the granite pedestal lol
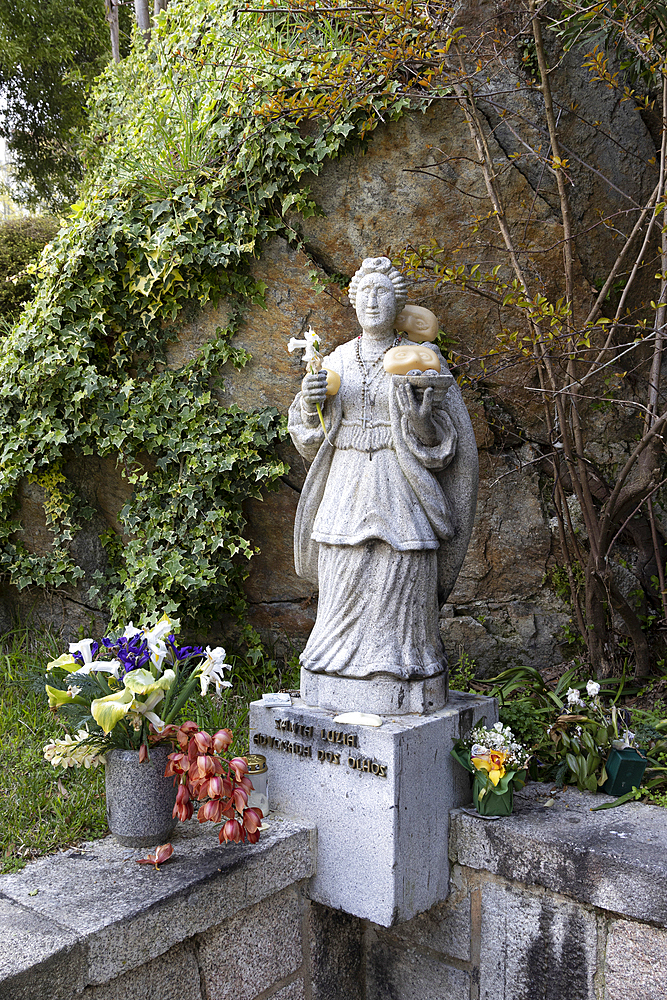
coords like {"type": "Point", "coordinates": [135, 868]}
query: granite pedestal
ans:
{"type": "Point", "coordinates": [380, 798]}
{"type": "Point", "coordinates": [384, 696]}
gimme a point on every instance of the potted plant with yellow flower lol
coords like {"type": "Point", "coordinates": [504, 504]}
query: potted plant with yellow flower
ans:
{"type": "Point", "coordinates": [497, 763]}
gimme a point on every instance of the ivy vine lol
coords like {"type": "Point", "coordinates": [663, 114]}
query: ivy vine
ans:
{"type": "Point", "coordinates": [198, 148]}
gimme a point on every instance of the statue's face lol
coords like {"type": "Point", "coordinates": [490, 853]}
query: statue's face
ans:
{"type": "Point", "coordinates": [400, 360]}
{"type": "Point", "coordinates": [376, 303]}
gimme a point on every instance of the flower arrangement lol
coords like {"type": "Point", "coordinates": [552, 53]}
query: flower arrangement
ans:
{"type": "Point", "coordinates": [498, 764]}
{"type": "Point", "coordinates": [585, 734]}
{"type": "Point", "coordinates": [220, 786]}
{"type": "Point", "coordinates": [127, 690]}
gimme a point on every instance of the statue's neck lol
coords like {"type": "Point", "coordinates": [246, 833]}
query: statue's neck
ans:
{"type": "Point", "coordinates": [376, 340]}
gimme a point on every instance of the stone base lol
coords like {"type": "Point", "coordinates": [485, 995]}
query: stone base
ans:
{"type": "Point", "coordinates": [381, 694]}
{"type": "Point", "coordinates": [380, 798]}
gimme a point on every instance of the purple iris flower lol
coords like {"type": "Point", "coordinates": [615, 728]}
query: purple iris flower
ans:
{"type": "Point", "coordinates": [184, 652]}
{"type": "Point", "coordinates": [132, 653]}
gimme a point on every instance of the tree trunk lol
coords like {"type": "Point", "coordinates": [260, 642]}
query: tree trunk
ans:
{"type": "Point", "coordinates": [159, 5]}
{"type": "Point", "coordinates": [111, 7]}
{"type": "Point", "coordinates": [597, 631]}
{"type": "Point", "coordinates": [143, 19]}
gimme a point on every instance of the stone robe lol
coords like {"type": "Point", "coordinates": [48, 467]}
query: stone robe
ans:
{"type": "Point", "coordinates": [370, 522]}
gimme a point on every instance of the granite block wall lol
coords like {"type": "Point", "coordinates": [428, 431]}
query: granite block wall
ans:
{"type": "Point", "coordinates": [555, 902]}
{"type": "Point", "coordinates": [552, 903]}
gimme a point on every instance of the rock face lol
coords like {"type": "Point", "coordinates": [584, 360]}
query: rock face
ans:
{"type": "Point", "coordinates": [398, 193]}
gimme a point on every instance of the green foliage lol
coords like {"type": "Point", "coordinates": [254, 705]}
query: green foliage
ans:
{"type": "Point", "coordinates": [520, 717]}
{"type": "Point", "coordinates": [571, 741]}
{"type": "Point", "coordinates": [40, 810]}
{"type": "Point", "coordinates": [196, 153]}
{"type": "Point", "coordinates": [21, 241]}
{"type": "Point", "coordinates": [50, 52]}
{"type": "Point", "coordinates": [634, 30]}
{"type": "Point", "coordinates": [462, 673]}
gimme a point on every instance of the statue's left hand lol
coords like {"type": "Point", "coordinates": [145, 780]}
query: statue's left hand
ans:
{"type": "Point", "coordinates": [419, 414]}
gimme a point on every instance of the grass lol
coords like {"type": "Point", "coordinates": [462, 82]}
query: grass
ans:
{"type": "Point", "coordinates": [42, 809]}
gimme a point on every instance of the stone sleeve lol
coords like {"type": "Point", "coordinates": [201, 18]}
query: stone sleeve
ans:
{"type": "Point", "coordinates": [437, 456]}
{"type": "Point", "coordinates": [305, 429]}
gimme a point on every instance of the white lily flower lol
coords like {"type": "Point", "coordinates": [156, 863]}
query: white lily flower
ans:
{"type": "Point", "coordinates": [112, 667]}
{"type": "Point", "coordinates": [158, 653]}
{"type": "Point", "coordinates": [592, 689]}
{"type": "Point", "coordinates": [310, 345]}
{"type": "Point", "coordinates": [82, 647]}
{"type": "Point", "coordinates": [158, 724]}
{"type": "Point", "coordinates": [212, 670]}
{"type": "Point", "coordinates": [156, 634]}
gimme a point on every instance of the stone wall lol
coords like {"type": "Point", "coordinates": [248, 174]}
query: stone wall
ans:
{"type": "Point", "coordinates": [215, 923]}
{"type": "Point", "coordinates": [552, 903]}
{"type": "Point", "coordinates": [398, 191]}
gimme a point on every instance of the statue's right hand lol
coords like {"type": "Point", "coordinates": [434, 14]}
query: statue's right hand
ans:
{"type": "Point", "coordinates": [314, 389]}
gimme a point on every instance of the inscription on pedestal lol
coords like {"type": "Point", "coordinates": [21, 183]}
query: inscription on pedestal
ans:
{"type": "Point", "coordinates": [324, 755]}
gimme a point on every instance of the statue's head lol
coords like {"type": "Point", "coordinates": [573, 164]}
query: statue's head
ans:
{"type": "Point", "coordinates": [378, 293]}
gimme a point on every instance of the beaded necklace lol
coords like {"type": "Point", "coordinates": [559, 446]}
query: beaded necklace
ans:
{"type": "Point", "coordinates": [368, 376]}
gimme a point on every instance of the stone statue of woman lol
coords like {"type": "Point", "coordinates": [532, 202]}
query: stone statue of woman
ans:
{"type": "Point", "coordinates": [385, 515]}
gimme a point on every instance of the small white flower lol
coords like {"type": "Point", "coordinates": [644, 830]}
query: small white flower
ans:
{"type": "Point", "coordinates": [158, 654]}
{"type": "Point", "coordinates": [68, 752]}
{"type": "Point", "coordinates": [73, 690]}
{"type": "Point", "coordinates": [155, 635]}
{"type": "Point", "coordinates": [593, 689]}
{"type": "Point", "coordinates": [573, 698]}
{"type": "Point", "coordinates": [498, 726]}
{"type": "Point", "coordinates": [131, 631]}
{"type": "Point", "coordinates": [310, 345]}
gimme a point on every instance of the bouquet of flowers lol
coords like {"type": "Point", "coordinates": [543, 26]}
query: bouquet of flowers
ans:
{"type": "Point", "coordinates": [219, 785]}
{"type": "Point", "coordinates": [498, 764]}
{"type": "Point", "coordinates": [125, 691]}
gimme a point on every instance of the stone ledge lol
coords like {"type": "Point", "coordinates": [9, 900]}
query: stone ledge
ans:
{"type": "Point", "coordinates": [615, 859]}
{"type": "Point", "coordinates": [96, 913]}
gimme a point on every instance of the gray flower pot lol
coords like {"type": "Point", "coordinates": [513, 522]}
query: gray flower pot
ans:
{"type": "Point", "coordinates": [140, 800]}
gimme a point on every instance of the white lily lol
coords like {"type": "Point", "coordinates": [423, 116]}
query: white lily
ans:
{"type": "Point", "coordinates": [158, 654]}
{"type": "Point", "coordinates": [155, 635]}
{"type": "Point", "coordinates": [112, 667]}
{"type": "Point", "coordinates": [82, 647]}
{"type": "Point", "coordinates": [309, 344]}
{"type": "Point", "coordinates": [212, 669]}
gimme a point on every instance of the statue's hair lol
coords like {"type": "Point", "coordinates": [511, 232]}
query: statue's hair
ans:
{"type": "Point", "coordinates": [380, 265]}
